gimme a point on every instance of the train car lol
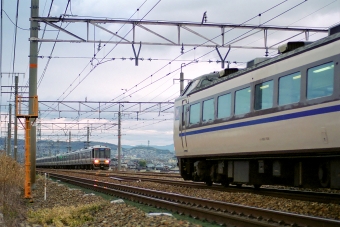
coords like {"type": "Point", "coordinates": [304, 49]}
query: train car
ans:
{"type": "Point", "coordinates": [276, 122]}
{"type": "Point", "coordinates": [95, 157]}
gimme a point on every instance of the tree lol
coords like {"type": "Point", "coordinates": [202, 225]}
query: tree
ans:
{"type": "Point", "coordinates": [142, 163]}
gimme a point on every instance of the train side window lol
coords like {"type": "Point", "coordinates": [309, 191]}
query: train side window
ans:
{"type": "Point", "coordinates": [320, 81]}
{"type": "Point", "coordinates": [263, 95]}
{"type": "Point", "coordinates": [107, 153]}
{"type": "Point", "coordinates": [242, 101]}
{"type": "Point", "coordinates": [208, 110]}
{"type": "Point", "coordinates": [289, 89]}
{"type": "Point", "coordinates": [224, 106]}
{"type": "Point", "coordinates": [194, 116]}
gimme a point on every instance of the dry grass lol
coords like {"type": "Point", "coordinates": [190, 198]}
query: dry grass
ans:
{"type": "Point", "coordinates": [11, 187]}
{"type": "Point", "coordinates": [66, 216]}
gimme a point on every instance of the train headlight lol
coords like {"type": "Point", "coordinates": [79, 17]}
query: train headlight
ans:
{"type": "Point", "coordinates": [96, 161]}
{"type": "Point", "coordinates": [107, 161]}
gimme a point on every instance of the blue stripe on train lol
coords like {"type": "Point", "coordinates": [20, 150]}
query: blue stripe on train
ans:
{"type": "Point", "coordinates": [306, 113]}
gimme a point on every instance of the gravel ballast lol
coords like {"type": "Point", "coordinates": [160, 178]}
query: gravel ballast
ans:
{"type": "Point", "coordinates": [120, 214]}
{"type": "Point", "coordinates": [331, 211]}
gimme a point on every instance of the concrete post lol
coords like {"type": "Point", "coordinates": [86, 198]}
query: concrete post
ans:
{"type": "Point", "coordinates": [33, 71]}
{"type": "Point", "coordinates": [119, 142]}
{"type": "Point", "coordinates": [16, 123]}
{"type": "Point", "coordinates": [9, 132]}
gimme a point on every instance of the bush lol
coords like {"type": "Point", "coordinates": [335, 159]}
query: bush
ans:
{"type": "Point", "coordinates": [69, 216]}
{"type": "Point", "coordinates": [12, 176]}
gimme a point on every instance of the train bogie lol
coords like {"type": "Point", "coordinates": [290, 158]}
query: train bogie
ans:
{"type": "Point", "coordinates": [307, 172]}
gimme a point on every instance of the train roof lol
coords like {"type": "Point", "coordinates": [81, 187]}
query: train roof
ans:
{"type": "Point", "coordinates": [269, 61]}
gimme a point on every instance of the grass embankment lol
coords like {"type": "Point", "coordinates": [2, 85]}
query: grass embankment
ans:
{"type": "Point", "coordinates": [12, 205]}
{"type": "Point", "coordinates": [66, 216]}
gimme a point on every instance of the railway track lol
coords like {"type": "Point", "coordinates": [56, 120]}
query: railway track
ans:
{"type": "Point", "coordinates": [280, 193]}
{"type": "Point", "coordinates": [212, 211]}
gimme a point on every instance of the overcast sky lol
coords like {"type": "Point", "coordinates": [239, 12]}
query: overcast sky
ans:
{"type": "Point", "coordinates": [69, 75]}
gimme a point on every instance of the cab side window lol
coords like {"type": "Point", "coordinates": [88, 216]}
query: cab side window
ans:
{"type": "Point", "coordinates": [194, 116]}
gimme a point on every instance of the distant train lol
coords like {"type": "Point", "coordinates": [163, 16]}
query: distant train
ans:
{"type": "Point", "coordinates": [275, 122]}
{"type": "Point", "coordinates": [95, 157]}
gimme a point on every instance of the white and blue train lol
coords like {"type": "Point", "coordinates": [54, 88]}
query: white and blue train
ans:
{"type": "Point", "coordinates": [275, 122]}
{"type": "Point", "coordinates": [95, 157]}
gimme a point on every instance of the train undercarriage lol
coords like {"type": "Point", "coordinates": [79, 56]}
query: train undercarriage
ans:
{"type": "Point", "coordinates": [296, 172]}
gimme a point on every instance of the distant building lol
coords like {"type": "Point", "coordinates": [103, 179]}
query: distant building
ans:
{"type": "Point", "coordinates": [150, 166]}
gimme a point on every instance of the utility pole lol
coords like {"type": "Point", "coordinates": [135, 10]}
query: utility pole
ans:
{"type": "Point", "coordinates": [16, 123]}
{"type": "Point", "coordinates": [9, 134]}
{"type": "Point", "coordinates": [1, 5]}
{"type": "Point", "coordinates": [69, 141]}
{"type": "Point", "coordinates": [5, 143]}
{"type": "Point", "coordinates": [119, 145]}
{"type": "Point", "coordinates": [33, 71]}
{"type": "Point", "coordinates": [58, 146]}
{"type": "Point", "coordinates": [88, 137]}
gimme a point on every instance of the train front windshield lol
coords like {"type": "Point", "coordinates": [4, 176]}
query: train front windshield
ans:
{"type": "Point", "coordinates": [102, 153]}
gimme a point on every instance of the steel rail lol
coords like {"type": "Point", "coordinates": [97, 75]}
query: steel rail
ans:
{"type": "Point", "coordinates": [213, 211]}
{"type": "Point", "coordinates": [280, 193]}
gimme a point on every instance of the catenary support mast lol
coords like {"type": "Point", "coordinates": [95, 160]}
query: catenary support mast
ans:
{"type": "Point", "coordinates": [119, 141]}
{"type": "Point", "coordinates": [33, 71]}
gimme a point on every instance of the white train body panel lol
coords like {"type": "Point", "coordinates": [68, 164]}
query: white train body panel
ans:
{"type": "Point", "coordinates": [294, 134]}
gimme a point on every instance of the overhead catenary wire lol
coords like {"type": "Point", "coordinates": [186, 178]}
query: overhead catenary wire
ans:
{"type": "Point", "coordinates": [204, 54]}
{"type": "Point", "coordinates": [15, 24]}
{"type": "Point", "coordinates": [92, 58]}
{"type": "Point", "coordinates": [301, 19]}
{"type": "Point", "coordinates": [210, 51]}
{"type": "Point", "coordinates": [130, 30]}
{"type": "Point", "coordinates": [48, 61]}
{"type": "Point", "coordinates": [105, 56]}
{"type": "Point", "coordinates": [15, 41]}
{"type": "Point", "coordinates": [174, 59]}
{"type": "Point", "coordinates": [48, 14]}
{"type": "Point", "coordinates": [89, 63]}
{"type": "Point", "coordinates": [74, 87]}
{"type": "Point", "coordinates": [141, 58]}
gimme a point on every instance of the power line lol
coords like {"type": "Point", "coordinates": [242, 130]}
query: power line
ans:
{"type": "Point", "coordinates": [141, 58]}
{"type": "Point", "coordinates": [161, 67]}
{"type": "Point", "coordinates": [198, 58]}
{"type": "Point", "coordinates": [94, 58]}
{"type": "Point", "coordinates": [48, 61]}
{"type": "Point", "coordinates": [15, 24]}
{"type": "Point", "coordinates": [192, 50]}
{"type": "Point", "coordinates": [100, 62]}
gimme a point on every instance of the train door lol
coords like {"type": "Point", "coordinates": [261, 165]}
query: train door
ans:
{"type": "Point", "coordinates": [183, 125]}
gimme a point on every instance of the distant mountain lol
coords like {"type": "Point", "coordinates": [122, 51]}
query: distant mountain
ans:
{"type": "Point", "coordinates": [127, 146]}
{"type": "Point", "coordinates": [49, 147]}
{"type": "Point", "coordinates": [166, 147]}
{"type": "Point", "coordinates": [147, 151]}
